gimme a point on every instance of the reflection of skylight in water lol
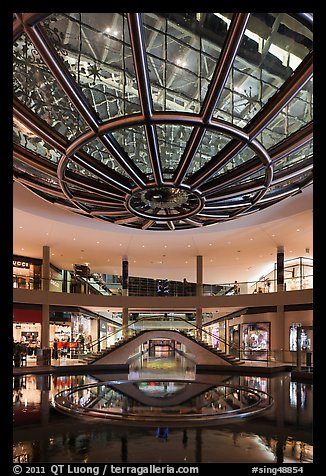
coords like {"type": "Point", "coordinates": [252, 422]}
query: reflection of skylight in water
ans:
{"type": "Point", "coordinates": [288, 59]}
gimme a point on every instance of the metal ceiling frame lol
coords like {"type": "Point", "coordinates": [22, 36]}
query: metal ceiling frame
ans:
{"type": "Point", "coordinates": [112, 191]}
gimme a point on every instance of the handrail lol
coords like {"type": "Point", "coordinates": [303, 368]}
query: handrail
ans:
{"type": "Point", "coordinates": [141, 319]}
{"type": "Point", "coordinates": [199, 329]}
{"type": "Point", "coordinates": [121, 329]}
{"type": "Point", "coordinates": [238, 349]}
{"type": "Point", "coordinates": [215, 289]}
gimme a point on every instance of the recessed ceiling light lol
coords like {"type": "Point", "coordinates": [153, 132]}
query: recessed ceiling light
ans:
{"type": "Point", "coordinates": [189, 246]}
{"type": "Point", "coordinates": [209, 244]}
{"type": "Point", "coordinates": [298, 229]}
{"type": "Point", "coordinates": [98, 242]}
{"type": "Point", "coordinates": [20, 227]}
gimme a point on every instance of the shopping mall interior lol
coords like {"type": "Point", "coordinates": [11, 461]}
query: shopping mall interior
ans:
{"type": "Point", "coordinates": [163, 238]}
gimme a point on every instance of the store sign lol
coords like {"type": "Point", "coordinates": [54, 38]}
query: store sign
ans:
{"type": "Point", "coordinates": [20, 264]}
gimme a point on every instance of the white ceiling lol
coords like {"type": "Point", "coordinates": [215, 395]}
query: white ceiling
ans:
{"type": "Point", "coordinates": [242, 249]}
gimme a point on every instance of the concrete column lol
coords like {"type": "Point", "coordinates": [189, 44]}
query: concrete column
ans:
{"type": "Point", "coordinates": [280, 269]}
{"type": "Point", "coordinates": [199, 292]}
{"type": "Point", "coordinates": [199, 274]}
{"type": "Point", "coordinates": [199, 323]}
{"type": "Point", "coordinates": [125, 276]}
{"type": "Point", "coordinates": [279, 341]}
{"type": "Point", "coordinates": [125, 321]}
{"type": "Point", "coordinates": [45, 328]}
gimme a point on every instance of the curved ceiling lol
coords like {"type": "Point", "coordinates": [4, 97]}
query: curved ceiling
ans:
{"type": "Point", "coordinates": [243, 249]}
{"type": "Point", "coordinates": [163, 121]}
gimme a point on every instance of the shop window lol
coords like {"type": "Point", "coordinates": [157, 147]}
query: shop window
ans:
{"type": "Point", "coordinates": [256, 340]}
{"type": "Point", "coordinates": [305, 339]}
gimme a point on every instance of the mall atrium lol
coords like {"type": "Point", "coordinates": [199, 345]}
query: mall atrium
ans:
{"type": "Point", "coordinates": [162, 236]}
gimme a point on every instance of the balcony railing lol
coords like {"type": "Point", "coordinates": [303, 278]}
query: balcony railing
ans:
{"type": "Point", "coordinates": [145, 287]}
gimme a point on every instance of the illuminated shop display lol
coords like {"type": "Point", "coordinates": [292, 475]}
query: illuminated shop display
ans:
{"type": "Point", "coordinates": [305, 339]}
{"type": "Point", "coordinates": [255, 338]}
{"type": "Point", "coordinates": [26, 272]}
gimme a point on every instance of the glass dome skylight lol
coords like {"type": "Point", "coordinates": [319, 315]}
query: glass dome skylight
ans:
{"type": "Point", "coordinates": [163, 121]}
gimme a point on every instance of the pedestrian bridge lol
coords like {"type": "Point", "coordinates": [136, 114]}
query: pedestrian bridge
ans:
{"type": "Point", "coordinates": [198, 352]}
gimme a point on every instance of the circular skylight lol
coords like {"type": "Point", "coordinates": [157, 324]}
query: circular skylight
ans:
{"type": "Point", "coordinates": [163, 121]}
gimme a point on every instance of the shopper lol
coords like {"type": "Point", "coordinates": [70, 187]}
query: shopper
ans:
{"type": "Point", "coordinates": [236, 288]}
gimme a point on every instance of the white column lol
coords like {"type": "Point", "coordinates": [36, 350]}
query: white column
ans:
{"type": "Point", "coordinates": [199, 292]}
{"type": "Point", "coordinates": [45, 329]}
{"type": "Point", "coordinates": [125, 321]}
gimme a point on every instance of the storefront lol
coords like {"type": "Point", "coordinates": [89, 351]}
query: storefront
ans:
{"type": "Point", "coordinates": [216, 336]}
{"type": "Point", "coordinates": [84, 330]}
{"type": "Point", "coordinates": [27, 327]}
{"type": "Point", "coordinates": [26, 272]}
{"type": "Point", "coordinates": [234, 340]}
{"type": "Point", "coordinates": [304, 337]}
{"type": "Point", "coordinates": [56, 279]}
{"type": "Point", "coordinates": [103, 333]}
{"type": "Point", "coordinates": [255, 340]}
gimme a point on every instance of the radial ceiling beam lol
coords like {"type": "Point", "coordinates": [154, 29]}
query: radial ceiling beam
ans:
{"type": "Point", "coordinates": [287, 91]}
{"type": "Point", "coordinates": [29, 158]}
{"type": "Point", "coordinates": [123, 159]}
{"type": "Point", "coordinates": [100, 170]}
{"type": "Point", "coordinates": [292, 143]}
{"type": "Point", "coordinates": [145, 95]}
{"type": "Point", "coordinates": [74, 93]}
{"type": "Point", "coordinates": [62, 75]}
{"type": "Point", "coordinates": [233, 39]}
{"type": "Point", "coordinates": [261, 120]}
{"type": "Point", "coordinates": [39, 127]}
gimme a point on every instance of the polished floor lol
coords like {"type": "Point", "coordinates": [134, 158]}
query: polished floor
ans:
{"type": "Point", "coordinates": [42, 434]}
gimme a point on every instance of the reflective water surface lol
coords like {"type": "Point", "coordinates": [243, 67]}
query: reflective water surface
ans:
{"type": "Point", "coordinates": [282, 433]}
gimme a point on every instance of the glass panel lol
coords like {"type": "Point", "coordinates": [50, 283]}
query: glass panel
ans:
{"type": "Point", "coordinates": [96, 149]}
{"type": "Point", "coordinates": [291, 181]}
{"type": "Point", "coordinates": [97, 52]}
{"type": "Point", "coordinates": [181, 58]}
{"type": "Point", "coordinates": [273, 46]}
{"type": "Point", "coordinates": [34, 86]}
{"type": "Point", "coordinates": [78, 169]}
{"type": "Point", "coordinates": [27, 139]}
{"type": "Point", "coordinates": [242, 157]}
{"type": "Point", "coordinates": [297, 156]}
{"type": "Point", "coordinates": [211, 144]}
{"type": "Point", "coordinates": [295, 115]}
{"type": "Point", "coordinates": [172, 142]}
{"type": "Point", "coordinates": [133, 141]}
{"type": "Point", "coordinates": [35, 173]}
